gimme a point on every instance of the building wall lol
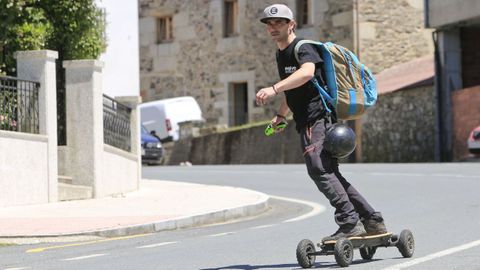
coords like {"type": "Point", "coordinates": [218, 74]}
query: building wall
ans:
{"type": "Point", "coordinates": [392, 32]}
{"type": "Point", "coordinates": [442, 13]}
{"type": "Point", "coordinates": [401, 127]}
{"type": "Point", "coordinates": [201, 62]}
{"type": "Point", "coordinates": [121, 58]}
{"type": "Point", "coordinates": [466, 109]}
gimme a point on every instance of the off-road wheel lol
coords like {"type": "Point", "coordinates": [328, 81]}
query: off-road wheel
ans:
{"type": "Point", "coordinates": [343, 252]}
{"type": "Point", "coordinates": [367, 252]}
{"type": "Point", "coordinates": [406, 244]}
{"type": "Point", "coordinates": [305, 257]}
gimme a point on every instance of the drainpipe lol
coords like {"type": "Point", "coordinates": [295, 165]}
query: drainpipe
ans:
{"type": "Point", "coordinates": [357, 124]}
{"type": "Point", "coordinates": [426, 16]}
{"type": "Point", "coordinates": [439, 128]}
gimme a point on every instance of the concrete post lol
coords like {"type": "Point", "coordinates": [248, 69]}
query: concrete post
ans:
{"type": "Point", "coordinates": [84, 102]}
{"type": "Point", "coordinates": [40, 66]}
{"type": "Point", "coordinates": [133, 102]}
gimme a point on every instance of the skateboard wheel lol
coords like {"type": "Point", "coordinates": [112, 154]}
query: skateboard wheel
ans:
{"type": "Point", "coordinates": [406, 244]}
{"type": "Point", "coordinates": [367, 252]}
{"type": "Point", "coordinates": [305, 257]}
{"type": "Point", "coordinates": [343, 250]}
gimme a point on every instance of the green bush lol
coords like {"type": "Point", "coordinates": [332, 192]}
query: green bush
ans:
{"type": "Point", "coordinates": [74, 28]}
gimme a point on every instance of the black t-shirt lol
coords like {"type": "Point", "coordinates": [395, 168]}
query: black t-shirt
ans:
{"type": "Point", "coordinates": [304, 101]}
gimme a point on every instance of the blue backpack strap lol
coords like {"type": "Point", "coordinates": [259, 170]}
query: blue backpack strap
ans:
{"type": "Point", "coordinates": [323, 94]}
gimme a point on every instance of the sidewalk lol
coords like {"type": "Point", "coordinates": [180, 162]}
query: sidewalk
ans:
{"type": "Point", "coordinates": [156, 206]}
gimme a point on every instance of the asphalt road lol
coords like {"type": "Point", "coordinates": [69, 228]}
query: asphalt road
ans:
{"type": "Point", "coordinates": [439, 203]}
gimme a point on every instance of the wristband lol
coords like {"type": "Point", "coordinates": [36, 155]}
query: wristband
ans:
{"type": "Point", "coordinates": [274, 90]}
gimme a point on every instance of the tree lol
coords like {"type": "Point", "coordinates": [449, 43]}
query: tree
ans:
{"type": "Point", "coordinates": [74, 28]}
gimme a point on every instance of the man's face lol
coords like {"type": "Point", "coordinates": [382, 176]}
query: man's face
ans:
{"type": "Point", "coordinates": [278, 29]}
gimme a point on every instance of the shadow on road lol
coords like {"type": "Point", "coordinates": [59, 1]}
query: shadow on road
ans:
{"type": "Point", "coordinates": [253, 267]}
{"type": "Point", "coordinates": [294, 266]}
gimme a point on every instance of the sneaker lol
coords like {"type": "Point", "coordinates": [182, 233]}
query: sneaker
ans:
{"type": "Point", "coordinates": [346, 231]}
{"type": "Point", "coordinates": [374, 224]}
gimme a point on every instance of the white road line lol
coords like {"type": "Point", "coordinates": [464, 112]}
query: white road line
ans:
{"type": "Point", "coordinates": [433, 256]}
{"type": "Point", "coordinates": [426, 174]}
{"type": "Point", "coordinates": [84, 257]}
{"type": "Point", "coordinates": [456, 175]}
{"type": "Point", "coordinates": [17, 268]}
{"type": "Point", "coordinates": [221, 234]}
{"type": "Point", "coordinates": [316, 208]}
{"type": "Point", "coordinates": [157, 245]}
{"type": "Point", "coordinates": [263, 226]}
{"type": "Point", "coordinates": [399, 174]}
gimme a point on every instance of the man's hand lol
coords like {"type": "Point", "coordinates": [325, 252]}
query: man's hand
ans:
{"type": "Point", "coordinates": [276, 121]}
{"type": "Point", "coordinates": [264, 94]}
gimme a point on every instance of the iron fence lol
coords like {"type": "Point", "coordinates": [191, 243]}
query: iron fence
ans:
{"type": "Point", "coordinates": [61, 117]}
{"type": "Point", "coordinates": [116, 124]}
{"type": "Point", "coordinates": [19, 105]}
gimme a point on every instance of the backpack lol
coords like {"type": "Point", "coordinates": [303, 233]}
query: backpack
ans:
{"type": "Point", "coordinates": [350, 86]}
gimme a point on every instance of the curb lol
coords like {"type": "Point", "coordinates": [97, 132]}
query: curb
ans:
{"type": "Point", "coordinates": [196, 220]}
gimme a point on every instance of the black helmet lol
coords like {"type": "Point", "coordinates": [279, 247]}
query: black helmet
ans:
{"type": "Point", "coordinates": [339, 140]}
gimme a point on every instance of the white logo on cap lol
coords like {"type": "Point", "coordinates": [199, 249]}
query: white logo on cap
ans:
{"type": "Point", "coordinates": [273, 11]}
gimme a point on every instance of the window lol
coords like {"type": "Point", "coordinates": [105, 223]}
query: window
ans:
{"type": "Point", "coordinates": [238, 104]}
{"type": "Point", "coordinates": [303, 13]}
{"type": "Point", "coordinates": [164, 29]}
{"type": "Point", "coordinates": [230, 18]}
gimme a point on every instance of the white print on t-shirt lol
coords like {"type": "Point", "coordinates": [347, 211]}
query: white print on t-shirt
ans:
{"type": "Point", "coordinates": [290, 70]}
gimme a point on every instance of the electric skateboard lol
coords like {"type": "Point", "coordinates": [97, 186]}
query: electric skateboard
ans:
{"type": "Point", "coordinates": [343, 247]}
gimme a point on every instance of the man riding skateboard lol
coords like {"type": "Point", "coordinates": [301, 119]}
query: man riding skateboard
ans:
{"type": "Point", "coordinates": [353, 214]}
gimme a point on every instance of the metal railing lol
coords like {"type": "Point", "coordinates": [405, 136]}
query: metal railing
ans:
{"type": "Point", "coordinates": [19, 105]}
{"type": "Point", "coordinates": [116, 124]}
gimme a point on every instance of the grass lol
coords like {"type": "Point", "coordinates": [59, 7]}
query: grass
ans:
{"type": "Point", "coordinates": [251, 125]}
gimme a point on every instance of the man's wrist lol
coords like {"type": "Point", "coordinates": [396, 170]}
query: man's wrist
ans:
{"type": "Point", "coordinates": [274, 89]}
{"type": "Point", "coordinates": [281, 116]}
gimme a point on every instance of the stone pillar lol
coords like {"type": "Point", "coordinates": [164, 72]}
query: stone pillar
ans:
{"type": "Point", "coordinates": [84, 102]}
{"type": "Point", "coordinates": [133, 102]}
{"type": "Point", "coordinates": [39, 66]}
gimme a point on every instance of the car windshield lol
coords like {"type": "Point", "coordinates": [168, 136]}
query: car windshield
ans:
{"type": "Point", "coordinates": [145, 130]}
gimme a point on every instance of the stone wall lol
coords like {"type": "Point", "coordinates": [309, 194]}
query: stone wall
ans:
{"type": "Point", "coordinates": [23, 168]}
{"type": "Point", "coordinates": [401, 127]}
{"type": "Point", "coordinates": [392, 32]}
{"type": "Point", "coordinates": [245, 146]}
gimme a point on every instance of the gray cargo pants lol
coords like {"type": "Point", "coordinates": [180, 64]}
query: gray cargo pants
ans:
{"type": "Point", "coordinates": [323, 169]}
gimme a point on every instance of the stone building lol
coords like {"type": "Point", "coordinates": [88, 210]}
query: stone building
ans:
{"type": "Point", "coordinates": [218, 51]}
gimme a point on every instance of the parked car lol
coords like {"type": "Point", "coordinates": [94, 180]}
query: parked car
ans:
{"type": "Point", "coordinates": [152, 151]}
{"type": "Point", "coordinates": [163, 116]}
{"type": "Point", "coordinates": [474, 141]}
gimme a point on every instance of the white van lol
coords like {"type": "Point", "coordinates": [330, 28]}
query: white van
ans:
{"type": "Point", "coordinates": [163, 116]}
